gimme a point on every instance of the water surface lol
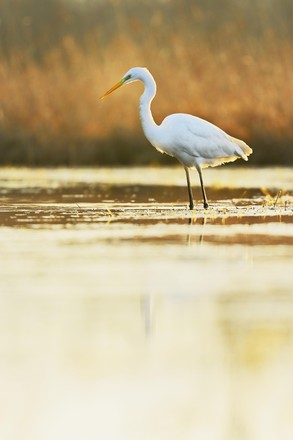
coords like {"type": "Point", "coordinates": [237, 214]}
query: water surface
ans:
{"type": "Point", "coordinates": [126, 316]}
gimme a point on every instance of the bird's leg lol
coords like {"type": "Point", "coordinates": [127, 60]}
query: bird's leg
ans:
{"type": "Point", "coordinates": [205, 200]}
{"type": "Point", "coordinates": [191, 204]}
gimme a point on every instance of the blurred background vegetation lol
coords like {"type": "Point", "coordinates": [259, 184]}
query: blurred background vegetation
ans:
{"type": "Point", "coordinates": [228, 61]}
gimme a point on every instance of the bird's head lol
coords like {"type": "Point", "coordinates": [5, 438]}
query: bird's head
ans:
{"type": "Point", "coordinates": [134, 74]}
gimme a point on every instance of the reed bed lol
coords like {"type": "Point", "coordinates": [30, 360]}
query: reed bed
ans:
{"type": "Point", "coordinates": [50, 112]}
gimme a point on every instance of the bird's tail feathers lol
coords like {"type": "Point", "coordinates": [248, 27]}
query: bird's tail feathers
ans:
{"type": "Point", "coordinates": [244, 150]}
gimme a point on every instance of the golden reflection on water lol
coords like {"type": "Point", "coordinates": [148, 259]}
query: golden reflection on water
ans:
{"type": "Point", "coordinates": [121, 322]}
{"type": "Point", "coordinates": [87, 367]}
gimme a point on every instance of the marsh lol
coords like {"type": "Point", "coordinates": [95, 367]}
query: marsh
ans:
{"type": "Point", "coordinates": [125, 316]}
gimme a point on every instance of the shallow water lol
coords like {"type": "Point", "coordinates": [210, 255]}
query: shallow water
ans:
{"type": "Point", "coordinates": [126, 316]}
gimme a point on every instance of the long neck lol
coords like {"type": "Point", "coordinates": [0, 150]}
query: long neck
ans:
{"type": "Point", "coordinates": [146, 117]}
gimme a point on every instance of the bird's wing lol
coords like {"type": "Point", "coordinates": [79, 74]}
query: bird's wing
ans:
{"type": "Point", "coordinates": [201, 139]}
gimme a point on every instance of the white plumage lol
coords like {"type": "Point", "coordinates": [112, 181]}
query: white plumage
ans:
{"type": "Point", "coordinates": [194, 142]}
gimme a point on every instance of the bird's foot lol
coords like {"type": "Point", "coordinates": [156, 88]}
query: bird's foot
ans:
{"type": "Point", "coordinates": [205, 205]}
{"type": "Point", "coordinates": [191, 206]}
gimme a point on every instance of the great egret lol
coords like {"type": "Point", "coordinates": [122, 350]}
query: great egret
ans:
{"type": "Point", "coordinates": [194, 142]}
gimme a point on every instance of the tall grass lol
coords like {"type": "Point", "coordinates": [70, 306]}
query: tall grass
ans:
{"type": "Point", "coordinates": [50, 113]}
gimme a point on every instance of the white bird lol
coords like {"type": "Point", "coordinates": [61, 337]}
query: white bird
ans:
{"type": "Point", "coordinates": [194, 142]}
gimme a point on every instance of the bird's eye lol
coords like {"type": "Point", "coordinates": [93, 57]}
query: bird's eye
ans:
{"type": "Point", "coordinates": [127, 77]}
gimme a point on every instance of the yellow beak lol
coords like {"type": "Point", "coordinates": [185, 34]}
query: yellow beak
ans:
{"type": "Point", "coordinates": [119, 84]}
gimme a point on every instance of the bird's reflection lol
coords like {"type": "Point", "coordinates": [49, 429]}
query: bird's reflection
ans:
{"type": "Point", "coordinates": [147, 299]}
{"type": "Point", "coordinates": [191, 221]}
{"type": "Point", "coordinates": [146, 305]}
